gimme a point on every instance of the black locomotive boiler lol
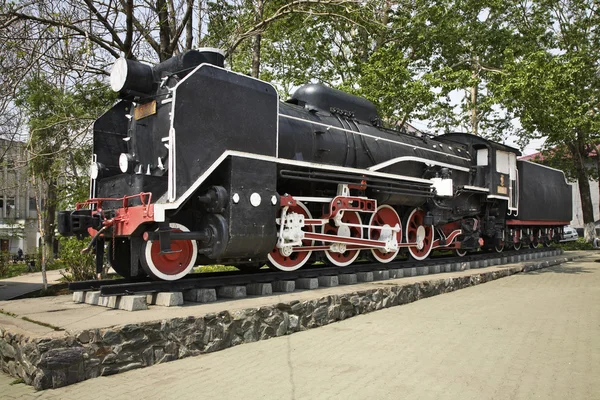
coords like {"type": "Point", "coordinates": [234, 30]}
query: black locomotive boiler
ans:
{"type": "Point", "coordinates": [200, 165]}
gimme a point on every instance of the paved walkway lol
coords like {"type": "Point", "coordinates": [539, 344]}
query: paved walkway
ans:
{"type": "Point", "coordinates": [27, 283]}
{"type": "Point", "coordinates": [528, 336]}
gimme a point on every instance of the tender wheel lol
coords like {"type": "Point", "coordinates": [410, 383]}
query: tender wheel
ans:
{"type": "Point", "coordinates": [346, 257]}
{"type": "Point", "coordinates": [170, 266]}
{"type": "Point", "coordinates": [294, 260]}
{"type": "Point", "coordinates": [517, 246]}
{"type": "Point", "coordinates": [547, 242]}
{"type": "Point", "coordinates": [417, 232]}
{"type": "Point", "coordinates": [460, 252]}
{"type": "Point", "coordinates": [536, 239]}
{"type": "Point", "coordinates": [500, 247]}
{"type": "Point", "coordinates": [387, 218]}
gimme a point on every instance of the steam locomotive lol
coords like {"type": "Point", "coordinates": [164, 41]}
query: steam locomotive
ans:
{"type": "Point", "coordinates": [199, 165]}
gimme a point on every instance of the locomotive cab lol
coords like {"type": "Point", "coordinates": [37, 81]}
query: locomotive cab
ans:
{"type": "Point", "coordinates": [495, 171]}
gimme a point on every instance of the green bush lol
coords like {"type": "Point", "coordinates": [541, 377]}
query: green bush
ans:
{"type": "Point", "coordinates": [4, 260]}
{"type": "Point", "coordinates": [78, 267]}
{"type": "Point", "coordinates": [579, 244]}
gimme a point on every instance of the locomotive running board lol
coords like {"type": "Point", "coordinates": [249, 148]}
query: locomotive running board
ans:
{"type": "Point", "coordinates": [161, 207]}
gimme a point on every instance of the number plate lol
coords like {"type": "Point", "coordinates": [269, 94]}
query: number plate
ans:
{"type": "Point", "coordinates": [502, 190]}
{"type": "Point", "coordinates": [144, 110]}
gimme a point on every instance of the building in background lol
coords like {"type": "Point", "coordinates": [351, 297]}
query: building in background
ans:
{"type": "Point", "coordinates": [18, 211]}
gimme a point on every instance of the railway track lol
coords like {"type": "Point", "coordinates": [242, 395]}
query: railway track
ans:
{"type": "Point", "coordinates": [121, 287]}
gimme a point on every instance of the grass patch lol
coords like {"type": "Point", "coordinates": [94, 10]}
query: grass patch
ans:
{"type": "Point", "coordinates": [17, 381]}
{"type": "Point", "coordinates": [215, 268]}
{"type": "Point", "coordinates": [8, 313]}
{"type": "Point", "coordinates": [56, 328]}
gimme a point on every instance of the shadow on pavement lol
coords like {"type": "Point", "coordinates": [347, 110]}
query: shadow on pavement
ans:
{"type": "Point", "coordinates": [560, 269]}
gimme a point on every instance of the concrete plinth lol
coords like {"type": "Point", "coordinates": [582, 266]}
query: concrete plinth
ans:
{"type": "Point", "coordinates": [307, 283]}
{"type": "Point", "coordinates": [396, 273]}
{"type": "Point", "coordinates": [232, 292]}
{"type": "Point", "coordinates": [79, 297]}
{"type": "Point", "coordinates": [328, 281]}
{"type": "Point", "coordinates": [424, 270]}
{"type": "Point", "coordinates": [283, 286]}
{"type": "Point", "coordinates": [259, 289]}
{"type": "Point", "coordinates": [103, 301]}
{"type": "Point", "coordinates": [364, 276]}
{"type": "Point", "coordinates": [381, 275]}
{"type": "Point", "coordinates": [133, 303]}
{"type": "Point", "coordinates": [200, 295]}
{"type": "Point", "coordinates": [92, 298]}
{"type": "Point", "coordinates": [462, 266]}
{"type": "Point", "coordinates": [434, 269]}
{"type": "Point", "coordinates": [408, 272]}
{"type": "Point", "coordinates": [347, 279]}
{"type": "Point", "coordinates": [447, 267]}
{"type": "Point", "coordinates": [165, 299]}
{"type": "Point", "coordinates": [113, 301]}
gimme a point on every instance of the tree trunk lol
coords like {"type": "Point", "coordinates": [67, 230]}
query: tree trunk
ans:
{"type": "Point", "coordinates": [164, 30]}
{"type": "Point", "coordinates": [40, 217]}
{"type": "Point", "coordinates": [474, 92]}
{"type": "Point", "coordinates": [189, 34]}
{"type": "Point", "coordinates": [258, 13]}
{"type": "Point", "coordinates": [50, 218]}
{"type": "Point", "coordinates": [598, 168]}
{"type": "Point", "coordinates": [200, 5]}
{"type": "Point", "coordinates": [584, 193]}
{"type": "Point", "coordinates": [172, 26]}
{"type": "Point", "coordinates": [129, 31]}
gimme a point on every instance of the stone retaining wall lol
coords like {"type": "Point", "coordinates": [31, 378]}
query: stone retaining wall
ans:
{"type": "Point", "coordinates": [55, 362]}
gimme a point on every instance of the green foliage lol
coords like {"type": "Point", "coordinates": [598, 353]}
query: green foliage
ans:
{"type": "Point", "coordinates": [214, 268]}
{"type": "Point", "coordinates": [579, 244]}
{"type": "Point", "coordinates": [59, 147]}
{"type": "Point", "coordinates": [78, 267]}
{"type": "Point", "coordinates": [5, 258]}
{"type": "Point", "coordinates": [59, 120]}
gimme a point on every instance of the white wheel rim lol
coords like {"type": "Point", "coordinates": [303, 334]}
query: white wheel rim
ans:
{"type": "Point", "coordinates": [410, 249]}
{"type": "Point", "coordinates": [299, 265]}
{"type": "Point", "coordinates": [460, 253]}
{"type": "Point", "coordinates": [147, 260]}
{"type": "Point", "coordinates": [373, 252]}
{"type": "Point", "coordinates": [350, 261]}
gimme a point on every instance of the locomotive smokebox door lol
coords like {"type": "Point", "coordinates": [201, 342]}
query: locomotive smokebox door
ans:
{"type": "Point", "coordinates": [252, 209]}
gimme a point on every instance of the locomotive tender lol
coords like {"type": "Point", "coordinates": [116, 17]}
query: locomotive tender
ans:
{"type": "Point", "coordinates": [200, 165]}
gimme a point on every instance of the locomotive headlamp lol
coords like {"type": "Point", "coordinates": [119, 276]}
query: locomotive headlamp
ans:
{"type": "Point", "coordinates": [126, 162]}
{"type": "Point", "coordinates": [96, 170]}
{"type": "Point", "coordinates": [132, 76]}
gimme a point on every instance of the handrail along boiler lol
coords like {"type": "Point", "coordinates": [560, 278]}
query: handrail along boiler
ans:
{"type": "Point", "coordinates": [197, 164]}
